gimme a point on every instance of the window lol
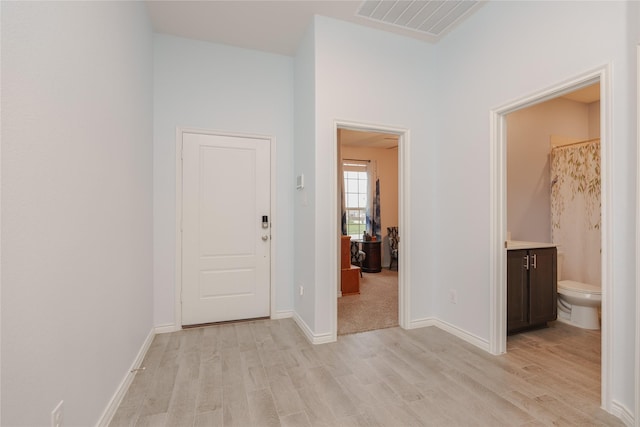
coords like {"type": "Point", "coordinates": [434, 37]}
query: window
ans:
{"type": "Point", "coordinates": [356, 189]}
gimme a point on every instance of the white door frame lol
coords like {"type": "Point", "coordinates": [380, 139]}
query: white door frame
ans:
{"type": "Point", "coordinates": [404, 222]}
{"type": "Point", "coordinates": [498, 210]}
{"type": "Point", "coordinates": [637, 368]}
{"type": "Point", "coordinates": [274, 224]}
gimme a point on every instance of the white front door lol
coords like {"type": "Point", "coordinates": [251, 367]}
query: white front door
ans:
{"type": "Point", "coordinates": [225, 249]}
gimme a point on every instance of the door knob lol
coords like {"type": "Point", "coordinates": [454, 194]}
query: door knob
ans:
{"type": "Point", "coordinates": [265, 237]}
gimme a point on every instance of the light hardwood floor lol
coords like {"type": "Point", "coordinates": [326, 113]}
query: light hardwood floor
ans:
{"type": "Point", "coordinates": [265, 373]}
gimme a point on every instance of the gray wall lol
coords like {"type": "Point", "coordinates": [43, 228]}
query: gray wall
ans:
{"type": "Point", "coordinates": [77, 296]}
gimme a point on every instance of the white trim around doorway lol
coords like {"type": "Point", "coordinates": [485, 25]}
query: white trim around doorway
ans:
{"type": "Point", "coordinates": [637, 373]}
{"type": "Point", "coordinates": [498, 214]}
{"type": "Point", "coordinates": [404, 223]}
{"type": "Point", "coordinates": [178, 179]}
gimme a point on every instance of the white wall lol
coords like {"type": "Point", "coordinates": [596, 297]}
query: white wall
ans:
{"type": "Point", "coordinates": [505, 51]}
{"type": "Point", "coordinates": [594, 120]}
{"type": "Point", "coordinates": [528, 174]}
{"type": "Point", "coordinates": [372, 77]}
{"type": "Point", "coordinates": [304, 155]}
{"type": "Point", "coordinates": [76, 205]}
{"type": "Point", "coordinates": [210, 86]}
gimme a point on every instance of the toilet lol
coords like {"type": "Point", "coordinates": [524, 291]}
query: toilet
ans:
{"type": "Point", "coordinates": [578, 302]}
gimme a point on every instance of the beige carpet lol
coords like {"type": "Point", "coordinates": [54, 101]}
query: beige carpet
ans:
{"type": "Point", "coordinates": [375, 308]}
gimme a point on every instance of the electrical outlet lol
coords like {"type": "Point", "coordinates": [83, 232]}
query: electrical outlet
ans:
{"type": "Point", "coordinates": [301, 290]}
{"type": "Point", "coordinates": [453, 296]}
{"type": "Point", "coordinates": [57, 415]}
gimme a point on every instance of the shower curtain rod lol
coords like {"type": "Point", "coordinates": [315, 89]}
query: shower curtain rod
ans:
{"type": "Point", "coordinates": [576, 143]}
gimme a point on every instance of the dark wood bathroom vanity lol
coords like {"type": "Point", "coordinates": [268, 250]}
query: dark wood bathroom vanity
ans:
{"type": "Point", "coordinates": [531, 285]}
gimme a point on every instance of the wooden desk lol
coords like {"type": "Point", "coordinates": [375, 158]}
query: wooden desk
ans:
{"type": "Point", "coordinates": [373, 262]}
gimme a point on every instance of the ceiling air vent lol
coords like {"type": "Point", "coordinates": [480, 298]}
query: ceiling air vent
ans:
{"type": "Point", "coordinates": [434, 18]}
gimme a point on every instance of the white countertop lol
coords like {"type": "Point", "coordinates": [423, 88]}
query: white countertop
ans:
{"type": "Point", "coordinates": [519, 244]}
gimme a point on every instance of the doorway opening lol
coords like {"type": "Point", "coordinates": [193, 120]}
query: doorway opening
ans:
{"type": "Point", "coordinates": [370, 190]}
{"type": "Point", "coordinates": [504, 217]}
{"type": "Point", "coordinates": [368, 172]}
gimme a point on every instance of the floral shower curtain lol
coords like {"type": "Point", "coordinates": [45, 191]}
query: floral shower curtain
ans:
{"type": "Point", "coordinates": [575, 209]}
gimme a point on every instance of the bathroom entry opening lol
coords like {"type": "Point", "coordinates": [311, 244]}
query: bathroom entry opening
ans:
{"type": "Point", "coordinates": [553, 197]}
{"type": "Point", "coordinates": [509, 222]}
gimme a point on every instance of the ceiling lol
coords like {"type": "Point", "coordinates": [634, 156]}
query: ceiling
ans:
{"type": "Point", "coordinates": [369, 139]}
{"type": "Point", "coordinates": [277, 26]}
{"type": "Point", "coordinates": [585, 95]}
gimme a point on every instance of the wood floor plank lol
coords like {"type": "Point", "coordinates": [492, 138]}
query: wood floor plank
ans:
{"type": "Point", "coordinates": [360, 397]}
{"type": "Point", "coordinates": [155, 420]}
{"type": "Point", "coordinates": [335, 396]}
{"type": "Point", "coordinates": [538, 410]}
{"type": "Point", "coordinates": [209, 419]}
{"type": "Point", "coordinates": [282, 338]}
{"type": "Point", "coordinates": [316, 408]}
{"type": "Point", "coordinates": [285, 395]}
{"type": "Point", "coordinates": [383, 393]}
{"type": "Point", "coordinates": [265, 372]}
{"type": "Point", "coordinates": [232, 372]}
{"type": "Point", "coordinates": [263, 408]}
{"type": "Point", "coordinates": [270, 354]}
{"type": "Point", "coordinates": [498, 407]}
{"type": "Point", "coordinates": [260, 331]}
{"type": "Point", "coordinates": [210, 385]}
{"type": "Point", "coordinates": [255, 375]}
{"type": "Point", "coordinates": [183, 402]}
{"type": "Point", "coordinates": [331, 359]}
{"type": "Point", "coordinates": [159, 394]}
{"type": "Point", "coordinates": [190, 353]}
{"type": "Point", "coordinates": [227, 336]}
{"type": "Point", "coordinates": [244, 333]}
{"type": "Point", "coordinates": [210, 344]}
{"type": "Point", "coordinates": [364, 418]}
{"type": "Point", "coordinates": [401, 386]}
{"type": "Point", "coordinates": [430, 412]}
{"type": "Point", "coordinates": [401, 415]}
{"type": "Point", "coordinates": [235, 406]}
{"type": "Point", "coordinates": [299, 419]}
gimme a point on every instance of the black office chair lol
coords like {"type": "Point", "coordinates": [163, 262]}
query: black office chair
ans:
{"type": "Point", "coordinates": [392, 233]}
{"type": "Point", "coordinates": [357, 256]}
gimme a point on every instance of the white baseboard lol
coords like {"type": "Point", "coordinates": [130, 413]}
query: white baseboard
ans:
{"type": "Point", "coordinates": [165, 329]}
{"type": "Point", "coordinates": [308, 333]}
{"type": "Point", "coordinates": [422, 323]}
{"type": "Point", "coordinates": [453, 330]}
{"type": "Point", "coordinates": [623, 413]}
{"type": "Point", "coordinates": [115, 401]}
{"type": "Point", "coordinates": [282, 314]}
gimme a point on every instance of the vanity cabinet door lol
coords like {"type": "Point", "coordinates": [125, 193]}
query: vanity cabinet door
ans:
{"type": "Point", "coordinates": [517, 290]}
{"type": "Point", "coordinates": [543, 285]}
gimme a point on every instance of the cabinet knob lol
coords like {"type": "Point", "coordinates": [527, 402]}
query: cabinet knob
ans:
{"type": "Point", "coordinates": [534, 261]}
{"type": "Point", "coordinates": [526, 262]}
